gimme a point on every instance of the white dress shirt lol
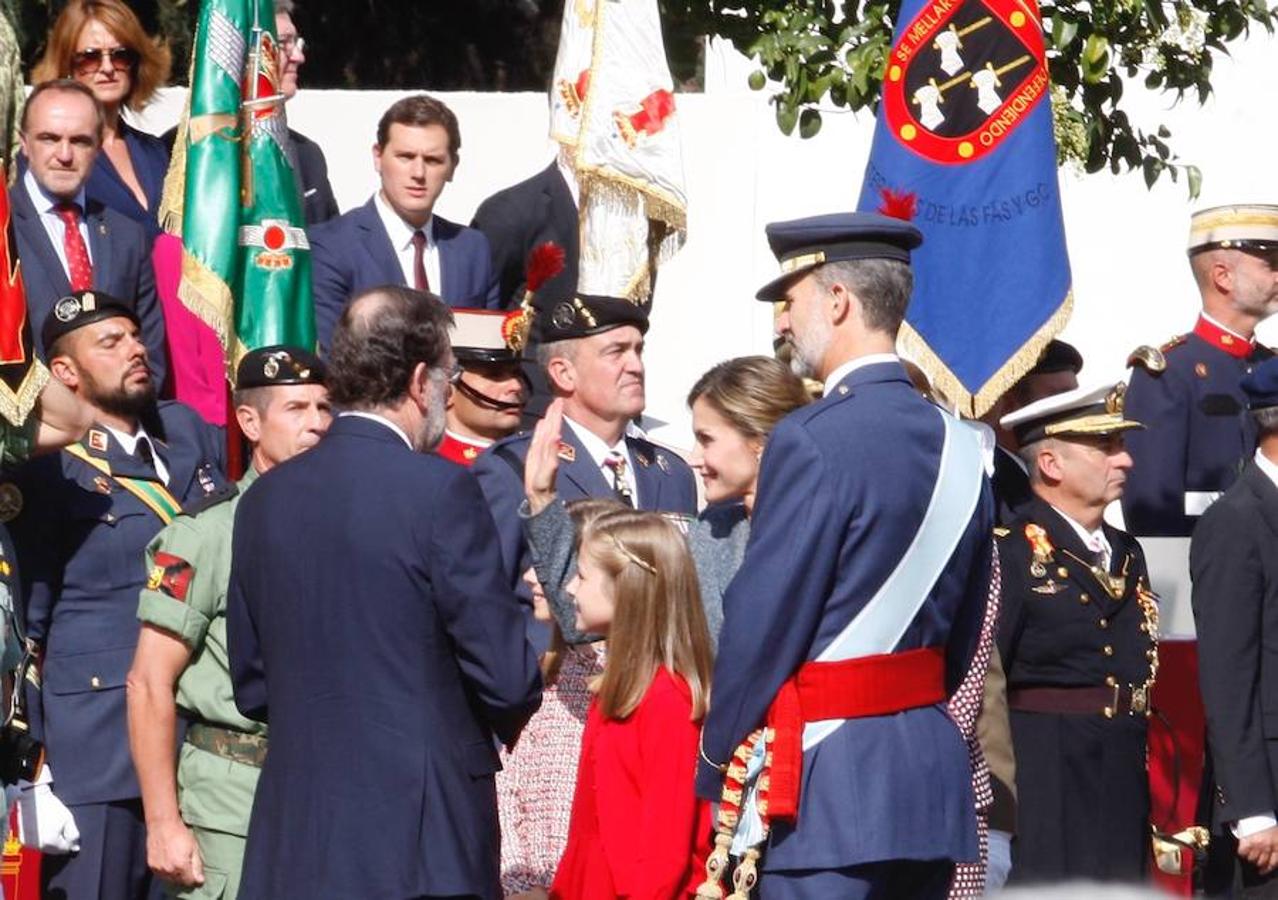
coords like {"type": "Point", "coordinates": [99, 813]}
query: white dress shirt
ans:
{"type": "Point", "coordinates": [130, 444]}
{"type": "Point", "coordinates": [401, 238]}
{"type": "Point", "coordinates": [1094, 541]}
{"type": "Point", "coordinates": [374, 417]}
{"type": "Point", "coordinates": [54, 227]}
{"type": "Point", "coordinates": [851, 366]}
{"type": "Point", "coordinates": [599, 451]}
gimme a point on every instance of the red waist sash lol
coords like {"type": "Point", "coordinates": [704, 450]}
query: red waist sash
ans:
{"type": "Point", "coordinates": [850, 689]}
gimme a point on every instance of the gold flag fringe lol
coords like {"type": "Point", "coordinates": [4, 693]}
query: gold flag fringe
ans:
{"type": "Point", "coordinates": [947, 383]}
{"type": "Point", "coordinates": [173, 196]}
{"type": "Point", "coordinates": [16, 406]}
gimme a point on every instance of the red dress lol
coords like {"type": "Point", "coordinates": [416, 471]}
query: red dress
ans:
{"type": "Point", "coordinates": [637, 830]}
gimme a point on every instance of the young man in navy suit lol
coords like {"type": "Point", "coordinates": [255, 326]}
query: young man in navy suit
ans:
{"type": "Point", "coordinates": [85, 518]}
{"type": "Point", "coordinates": [395, 238]}
{"type": "Point", "coordinates": [858, 604]}
{"type": "Point", "coordinates": [591, 349]}
{"type": "Point", "coordinates": [368, 622]}
{"type": "Point", "coordinates": [100, 249]}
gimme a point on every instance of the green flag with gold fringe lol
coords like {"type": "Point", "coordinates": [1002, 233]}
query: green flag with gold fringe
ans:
{"type": "Point", "coordinates": [231, 192]}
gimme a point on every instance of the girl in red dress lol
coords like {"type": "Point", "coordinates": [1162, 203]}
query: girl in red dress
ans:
{"type": "Point", "coordinates": [637, 829]}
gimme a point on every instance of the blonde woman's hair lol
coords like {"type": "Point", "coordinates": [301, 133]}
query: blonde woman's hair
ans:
{"type": "Point", "coordinates": [752, 392]}
{"type": "Point", "coordinates": [152, 69]}
{"type": "Point", "coordinates": [658, 619]}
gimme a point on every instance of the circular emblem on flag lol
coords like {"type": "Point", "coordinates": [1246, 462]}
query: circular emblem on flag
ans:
{"type": "Point", "coordinates": [66, 309]}
{"type": "Point", "coordinates": [274, 237]}
{"type": "Point", "coordinates": [962, 76]}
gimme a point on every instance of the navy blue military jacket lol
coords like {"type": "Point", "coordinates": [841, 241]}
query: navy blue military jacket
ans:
{"type": "Point", "coordinates": [664, 481]}
{"type": "Point", "coordinates": [843, 489]}
{"type": "Point", "coordinates": [81, 539]}
{"type": "Point", "coordinates": [1197, 434]}
{"type": "Point", "coordinates": [368, 621]}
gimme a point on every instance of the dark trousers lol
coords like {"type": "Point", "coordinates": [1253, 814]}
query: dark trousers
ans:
{"type": "Point", "coordinates": [918, 880]}
{"type": "Point", "coordinates": [111, 864]}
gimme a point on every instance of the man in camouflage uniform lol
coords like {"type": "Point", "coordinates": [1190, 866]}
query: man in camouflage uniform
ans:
{"type": "Point", "coordinates": [197, 816]}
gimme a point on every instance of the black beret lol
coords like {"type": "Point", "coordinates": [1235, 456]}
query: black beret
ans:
{"type": "Point", "coordinates": [83, 308]}
{"type": "Point", "coordinates": [803, 244]}
{"type": "Point", "coordinates": [277, 365]}
{"type": "Point", "coordinates": [587, 314]}
{"type": "Point", "coordinates": [1058, 356]}
{"type": "Point", "coordinates": [1261, 385]}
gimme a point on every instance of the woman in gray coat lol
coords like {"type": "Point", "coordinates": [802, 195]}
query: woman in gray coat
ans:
{"type": "Point", "coordinates": [734, 407]}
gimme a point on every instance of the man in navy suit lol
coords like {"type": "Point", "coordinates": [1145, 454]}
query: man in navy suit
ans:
{"type": "Point", "coordinates": [86, 517]}
{"type": "Point", "coordinates": [395, 238]}
{"type": "Point", "coordinates": [100, 249]}
{"type": "Point", "coordinates": [858, 604]}
{"type": "Point", "coordinates": [368, 622]}
{"type": "Point", "coordinates": [591, 349]}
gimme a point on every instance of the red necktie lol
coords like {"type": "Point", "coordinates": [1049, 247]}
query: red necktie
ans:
{"type": "Point", "coordinates": [79, 269]}
{"type": "Point", "coordinates": [420, 281]}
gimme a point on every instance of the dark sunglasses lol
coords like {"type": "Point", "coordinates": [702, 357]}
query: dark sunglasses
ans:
{"type": "Point", "coordinates": [89, 60]}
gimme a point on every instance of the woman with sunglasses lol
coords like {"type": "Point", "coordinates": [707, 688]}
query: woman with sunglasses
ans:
{"type": "Point", "coordinates": [101, 44]}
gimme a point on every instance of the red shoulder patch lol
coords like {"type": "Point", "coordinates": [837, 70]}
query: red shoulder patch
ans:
{"type": "Point", "coordinates": [171, 575]}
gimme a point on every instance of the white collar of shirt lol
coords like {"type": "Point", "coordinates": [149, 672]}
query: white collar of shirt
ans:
{"type": "Point", "coordinates": [401, 238]}
{"type": "Point", "coordinates": [570, 176]}
{"type": "Point", "coordinates": [851, 366]}
{"type": "Point", "coordinates": [382, 420]}
{"type": "Point", "coordinates": [1223, 327]}
{"type": "Point", "coordinates": [600, 451]}
{"type": "Point", "coordinates": [130, 444]}
{"type": "Point", "coordinates": [1268, 466]}
{"type": "Point", "coordinates": [45, 204]}
{"type": "Point", "coordinates": [1092, 540]}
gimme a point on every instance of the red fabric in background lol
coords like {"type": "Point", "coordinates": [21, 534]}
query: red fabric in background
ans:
{"type": "Point", "coordinates": [1174, 794]}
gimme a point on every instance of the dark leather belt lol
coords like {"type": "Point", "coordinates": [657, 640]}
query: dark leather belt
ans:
{"type": "Point", "coordinates": [237, 746]}
{"type": "Point", "coordinates": [1118, 700]}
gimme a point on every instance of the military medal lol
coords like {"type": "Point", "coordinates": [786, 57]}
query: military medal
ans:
{"type": "Point", "coordinates": [103, 486]}
{"type": "Point", "coordinates": [1037, 569]}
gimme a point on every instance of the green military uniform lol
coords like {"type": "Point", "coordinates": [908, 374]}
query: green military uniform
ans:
{"type": "Point", "coordinates": [190, 566]}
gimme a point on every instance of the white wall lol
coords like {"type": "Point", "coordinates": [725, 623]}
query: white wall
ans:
{"type": "Point", "coordinates": [1131, 281]}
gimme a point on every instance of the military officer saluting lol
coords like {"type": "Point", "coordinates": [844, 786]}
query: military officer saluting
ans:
{"type": "Point", "coordinates": [490, 392]}
{"type": "Point", "coordinates": [1198, 434]}
{"type": "Point", "coordinates": [197, 812]}
{"type": "Point", "coordinates": [87, 515]}
{"type": "Point", "coordinates": [1078, 635]}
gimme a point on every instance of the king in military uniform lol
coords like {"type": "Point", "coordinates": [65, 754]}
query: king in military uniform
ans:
{"type": "Point", "coordinates": [1198, 434]}
{"type": "Point", "coordinates": [197, 812]}
{"type": "Point", "coordinates": [490, 391]}
{"type": "Point", "coordinates": [1078, 640]}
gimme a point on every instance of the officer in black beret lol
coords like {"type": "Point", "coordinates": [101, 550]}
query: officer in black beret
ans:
{"type": "Point", "coordinates": [282, 408]}
{"type": "Point", "coordinates": [88, 513]}
{"type": "Point", "coordinates": [591, 349]}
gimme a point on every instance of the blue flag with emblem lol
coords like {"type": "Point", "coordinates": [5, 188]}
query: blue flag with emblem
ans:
{"type": "Point", "coordinates": [964, 149]}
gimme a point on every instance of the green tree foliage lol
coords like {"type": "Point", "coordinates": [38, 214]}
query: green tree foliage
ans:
{"type": "Point", "coordinates": [820, 50]}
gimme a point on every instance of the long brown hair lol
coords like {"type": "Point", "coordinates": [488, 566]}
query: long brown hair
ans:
{"type": "Point", "coordinates": [658, 619]}
{"type": "Point", "coordinates": [154, 62]}
{"type": "Point", "coordinates": [752, 393]}
{"type": "Point", "coordinates": [582, 513]}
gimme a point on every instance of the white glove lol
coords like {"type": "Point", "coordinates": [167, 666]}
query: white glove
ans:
{"type": "Point", "coordinates": [44, 822]}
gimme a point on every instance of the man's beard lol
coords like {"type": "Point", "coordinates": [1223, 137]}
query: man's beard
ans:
{"type": "Point", "coordinates": [431, 431]}
{"type": "Point", "coordinates": [120, 401]}
{"type": "Point", "coordinates": [808, 348]}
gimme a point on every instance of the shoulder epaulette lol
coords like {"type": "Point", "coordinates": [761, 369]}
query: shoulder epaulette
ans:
{"type": "Point", "coordinates": [208, 501]}
{"type": "Point", "coordinates": [1151, 359]}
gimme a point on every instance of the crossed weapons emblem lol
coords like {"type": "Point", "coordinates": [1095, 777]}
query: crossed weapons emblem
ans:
{"type": "Point", "coordinates": [985, 80]}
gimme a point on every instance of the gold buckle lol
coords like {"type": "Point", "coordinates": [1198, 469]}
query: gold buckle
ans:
{"type": "Point", "coordinates": [1140, 700]}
